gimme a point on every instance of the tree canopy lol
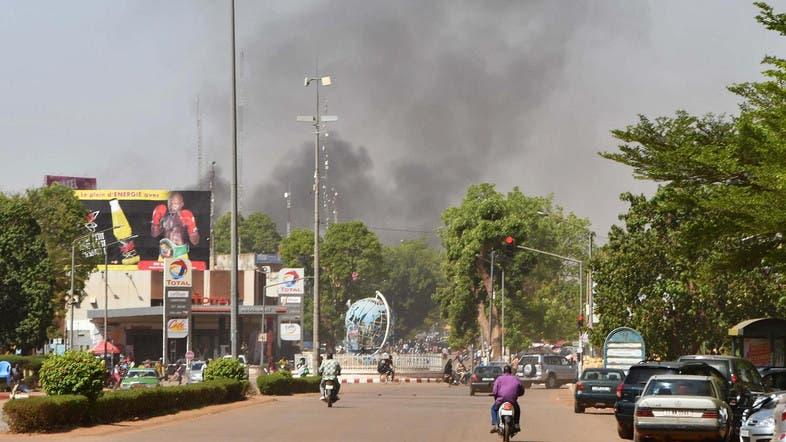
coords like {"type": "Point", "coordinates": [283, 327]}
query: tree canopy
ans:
{"type": "Point", "coordinates": [707, 248]}
{"type": "Point", "coordinates": [257, 233]}
{"type": "Point", "coordinates": [541, 291]}
{"type": "Point", "coordinates": [26, 278]}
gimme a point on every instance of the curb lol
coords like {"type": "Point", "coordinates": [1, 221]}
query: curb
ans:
{"type": "Point", "coordinates": [376, 380]}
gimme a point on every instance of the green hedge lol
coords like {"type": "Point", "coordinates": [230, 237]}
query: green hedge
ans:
{"type": "Point", "coordinates": [45, 413]}
{"type": "Point", "coordinates": [49, 413]}
{"type": "Point", "coordinates": [282, 383]}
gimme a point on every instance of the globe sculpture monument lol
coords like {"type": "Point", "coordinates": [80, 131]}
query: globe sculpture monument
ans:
{"type": "Point", "coordinates": [369, 325]}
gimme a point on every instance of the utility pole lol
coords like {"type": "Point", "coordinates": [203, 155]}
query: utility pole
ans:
{"type": "Point", "coordinates": [491, 306]}
{"type": "Point", "coordinates": [317, 121]}
{"type": "Point", "coordinates": [288, 196]}
{"type": "Point", "coordinates": [233, 307]}
{"type": "Point", "coordinates": [211, 183]}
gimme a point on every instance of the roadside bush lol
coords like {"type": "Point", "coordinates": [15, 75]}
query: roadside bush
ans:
{"type": "Point", "coordinates": [45, 413]}
{"type": "Point", "coordinates": [32, 363]}
{"type": "Point", "coordinates": [282, 384]}
{"type": "Point", "coordinates": [225, 368]}
{"type": "Point", "coordinates": [49, 413]}
{"type": "Point", "coordinates": [74, 372]}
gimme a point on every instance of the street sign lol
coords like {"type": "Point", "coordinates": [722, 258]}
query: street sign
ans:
{"type": "Point", "coordinates": [623, 347]}
{"type": "Point", "coordinates": [289, 332]}
{"type": "Point", "coordinates": [189, 354]}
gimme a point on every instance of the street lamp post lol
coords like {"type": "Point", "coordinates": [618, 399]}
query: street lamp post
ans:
{"type": "Point", "coordinates": [581, 274]}
{"type": "Point", "coordinates": [317, 121]}
{"type": "Point", "coordinates": [106, 288]}
{"type": "Point", "coordinates": [491, 307]}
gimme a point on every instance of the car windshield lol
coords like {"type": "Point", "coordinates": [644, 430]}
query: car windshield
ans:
{"type": "Point", "coordinates": [640, 375]}
{"type": "Point", "coordinates": [527, 360]}
{"type": "Point", "coordinates": [142, 374]}
{"type": "Point", "coordinates": [601, 375]}
{"type": "Point", "coordinates": [488, 371]}
{"type": "Point", "coordinates": [679, 387]}
{"type": "Point", "coordinates": [720, 365]}
{"type": "Point", "coordinates": [197, 366]}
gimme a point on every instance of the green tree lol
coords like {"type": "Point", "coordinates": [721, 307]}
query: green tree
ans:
{"type": "Point", "coordinates": [256, 233]}
{"type": "Point", "coordinates": [539, 288]}
{"type": "Point", "coordinates": [414, 274]}
{"type": "Point", "coordinates": [707, 248]}
{"type": "Point", "coordinates": [352, 261]}
{"type": "Point", "coordinates": [26, 278]}
{"type": "Point", "coordinates": [61, 217]}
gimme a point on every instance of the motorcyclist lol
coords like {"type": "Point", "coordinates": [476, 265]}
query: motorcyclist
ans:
{"type": "Point", "coordinates": [329, 370]}
{"type": "Point", "coordinates": [447, 373]}
{"type": "Point", "coordinates": [507, 388]}
{"type": "Point", "coordinates": [385, 366]}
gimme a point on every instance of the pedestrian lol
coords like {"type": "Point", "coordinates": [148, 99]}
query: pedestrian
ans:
{"type": "Point", "coordinates": [180, 371]}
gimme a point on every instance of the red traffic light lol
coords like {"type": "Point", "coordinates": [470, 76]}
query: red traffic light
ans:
{"type": "Point", "coordinates": [510, 241]}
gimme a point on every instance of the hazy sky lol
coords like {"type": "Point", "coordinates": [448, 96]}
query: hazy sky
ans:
{"type": "Point", "coordinates": [431, 95]}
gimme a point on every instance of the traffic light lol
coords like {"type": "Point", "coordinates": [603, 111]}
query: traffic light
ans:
{"type": "Point", "coordinates": [510, 241]}
{"type": "Point", "coordinates": [580, 321]}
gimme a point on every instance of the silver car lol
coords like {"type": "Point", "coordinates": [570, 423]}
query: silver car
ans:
{"type": "Point", "coordinates": [552, 370]}
{"type": "Point", "coordinates": [196, 372]}
{"type": "Point", "coordinates": [760, 426]}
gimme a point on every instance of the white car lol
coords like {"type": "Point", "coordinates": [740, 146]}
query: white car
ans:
{"type": "Point", "coordinates": [682, 407]}
{"type": "Point", "coordinates": [196, 372]}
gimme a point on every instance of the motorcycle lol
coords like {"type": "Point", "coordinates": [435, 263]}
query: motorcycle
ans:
{"type": "Point", "coordinates": [330, 393]}
{"type": "Point", "coordinates": [506, 427]}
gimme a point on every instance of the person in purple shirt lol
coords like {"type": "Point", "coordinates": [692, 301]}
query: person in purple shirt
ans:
{"type": "Point", "coordinates": [507, 388]}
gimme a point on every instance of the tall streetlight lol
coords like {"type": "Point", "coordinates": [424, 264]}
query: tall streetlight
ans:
{"type": "Point", "coordinates": [106, 287]}
{"type": "Point", "coordinates": [317, 121]}
{"type": "Point", "coordinates": [233, 307]}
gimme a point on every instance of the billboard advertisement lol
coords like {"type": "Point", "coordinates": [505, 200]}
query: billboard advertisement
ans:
{"type": "Point", "coordinates": [74, 182]}
{"type": "Point", "coordinates": [141, 228]}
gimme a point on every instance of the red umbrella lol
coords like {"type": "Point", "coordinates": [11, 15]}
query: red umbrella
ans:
{"type": "Point", "coordinates": [111, 348]}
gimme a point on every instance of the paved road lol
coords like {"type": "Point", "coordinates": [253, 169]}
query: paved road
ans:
{"type": "Point", "coordinates": [408, 412]}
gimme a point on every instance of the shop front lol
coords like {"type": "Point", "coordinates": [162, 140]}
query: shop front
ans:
{"type": "Point", "coordinates": [761, 341]}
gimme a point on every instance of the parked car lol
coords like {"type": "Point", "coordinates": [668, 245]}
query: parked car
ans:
{"type": "Point", "coordinates": [683, 407]}
{"type": "Point", "coordinates": [759, 425]}
{"type": "Point", "coordinates": [743, 382]}
{"type": "Point", "coordinates": [197, 372]}
{"type": "Point", "coordinates": [773, 378]}
{"type": "Point", "coordinates": [597, 388]}
{"type": "Point", "coordinates": [638, 376]}
{"type": "Point", "coordinates": [552, 370]}
{"type": "Point", "coordinates": [140, 378]}
{"type": "Point", "coordinates": [483, 377]}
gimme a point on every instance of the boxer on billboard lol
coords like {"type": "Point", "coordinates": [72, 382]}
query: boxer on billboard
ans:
{"type": "Point", "coordinates": [177, 225]}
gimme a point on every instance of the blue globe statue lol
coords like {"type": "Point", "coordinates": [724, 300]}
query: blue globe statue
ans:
{"type": "Point", "coordinates": [368, 324]}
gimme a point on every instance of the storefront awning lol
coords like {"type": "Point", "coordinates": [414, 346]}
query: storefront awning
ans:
{"type": "Point", "coordinates": [137, 312]}
{"type": "Point", "coordinates": [760, 328]}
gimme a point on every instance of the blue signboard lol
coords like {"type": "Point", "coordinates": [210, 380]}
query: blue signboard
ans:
{"type": "Point", "coordinates": [623, 347]}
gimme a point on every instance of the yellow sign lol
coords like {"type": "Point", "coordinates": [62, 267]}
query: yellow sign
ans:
{"type": "Point", "coordinates": [145, 195]}
{"type": "Point", "coordinates": [177, 328]}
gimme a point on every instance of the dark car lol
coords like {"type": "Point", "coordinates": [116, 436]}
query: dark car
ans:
{"type": "Point", "coordinates": [743, 382]}
{"type": "Point", "coordinates": [483, 377]}
{"type": "Point", "coordinates": [773, 378]}
{"type": "Point", "coordinates": [638, 375]}
{"type": "Point", "coordinates": [597, 388]}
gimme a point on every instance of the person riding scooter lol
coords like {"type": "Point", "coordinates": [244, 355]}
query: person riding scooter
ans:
{"type": "Point", "coordinates": [507, 388]}
{"type": "Point", "coordinates": [329, 370]}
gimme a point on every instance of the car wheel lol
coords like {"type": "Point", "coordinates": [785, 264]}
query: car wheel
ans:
{"type": "Point", "coordinates": [577, 408]}
{"type": "Point", "coordinates": [624, 432]}
{"type": "Point", "coordinates": [551, 381]}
